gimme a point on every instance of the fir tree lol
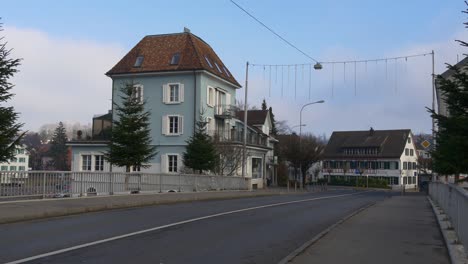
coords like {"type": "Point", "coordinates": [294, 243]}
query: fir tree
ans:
{"type": "Point", "coordinates": [450, 153]}
{"type": "Point", "coordinates": [10, 135]}
{"type": "Point", "coordinates": [130, 144]}
{"type": "Point", "coordinates": [264, 105]}
{"type": "Point", "coordinates": [58, 149]}
{"type": "Point", "coordinates": [274, 130]}
{"type": "Point", "coordinates": [201, 151]}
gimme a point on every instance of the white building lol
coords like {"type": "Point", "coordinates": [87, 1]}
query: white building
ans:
{"type": "Point", "coordinates": [384, 154]}
{"type": "Point", "coordinates": [18, 163]}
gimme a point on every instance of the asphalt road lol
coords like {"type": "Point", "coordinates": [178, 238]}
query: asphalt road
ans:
{"type": "Point", "coordinates": [268, 231]}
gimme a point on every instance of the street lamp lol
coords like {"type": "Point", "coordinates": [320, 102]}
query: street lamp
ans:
{"type": "Point", "coordinates": [300, 132]}
{"type": "Point", "coordinates": [291, 128]}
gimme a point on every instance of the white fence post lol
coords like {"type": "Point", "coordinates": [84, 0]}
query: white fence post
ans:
{"type": "Point", "coordinates": [43, 185]}
{"type": "Point", "coordinates": [111, 183]}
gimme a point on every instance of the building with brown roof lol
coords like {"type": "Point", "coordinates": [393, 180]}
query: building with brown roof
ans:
{"type": "Point", "coordinates": [182, 79]}
{"type": "Point", "coordinates": [385, 154]}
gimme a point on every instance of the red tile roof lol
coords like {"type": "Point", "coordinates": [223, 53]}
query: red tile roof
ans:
{"type": "Point", "coordinates": [157, 52]}
{"type": "Point", "coordinates": [254, 117]}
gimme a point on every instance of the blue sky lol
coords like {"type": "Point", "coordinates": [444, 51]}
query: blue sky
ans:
{"type": "Point", "coordinates": [327, 30]}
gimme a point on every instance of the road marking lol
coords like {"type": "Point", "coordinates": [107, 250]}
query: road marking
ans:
{"type": "Point", "coordinates": [60, 251]}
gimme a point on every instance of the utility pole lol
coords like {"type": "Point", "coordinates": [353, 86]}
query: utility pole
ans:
{"type": "Point", "coordinates": [244, 150]}
{"type": "Point", "coordinates": [433, 107]}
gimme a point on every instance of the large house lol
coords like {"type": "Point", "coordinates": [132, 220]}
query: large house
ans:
{"type": "Point", "coordinates": [18, 163]}
{"type": "Point", "coordinates": [385, 154]}
{"type": "Point", "coordinates": [182, 79]}
{"type": "Point", "coordinates": [442, 105]}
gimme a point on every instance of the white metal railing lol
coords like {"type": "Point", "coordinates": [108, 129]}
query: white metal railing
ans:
{"type": "Point", "coordinates": [44, 184]}
{"type": "Point", "coordinates": [454, 201]}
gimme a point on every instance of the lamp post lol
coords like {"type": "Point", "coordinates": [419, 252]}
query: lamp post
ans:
{"type": "Point", "coordinates": [300, 133]}
{"type": "Point", "coordinates": [291, 128]}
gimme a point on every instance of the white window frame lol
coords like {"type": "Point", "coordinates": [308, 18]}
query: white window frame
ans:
{"type": "Point", "coordinates": [93, 156]}
{"type": "Point", "coordinates": [100, 166]}
{"type": "Point", "coordinates": [167, 93]}
{"type": "Point", "coordinates": [210, 101]}
{"type": "Point", "coordinates": [137, 92]}
{"type": "Point", "coordinates": [166, 125]}
{"type": "Point", "coordinates": [177, 165]}
{"type": "Point", "coordinates": [90, 165]}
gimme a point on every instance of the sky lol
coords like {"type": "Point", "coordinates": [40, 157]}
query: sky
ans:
{"type": "Point", "coordinates": [67, 46]}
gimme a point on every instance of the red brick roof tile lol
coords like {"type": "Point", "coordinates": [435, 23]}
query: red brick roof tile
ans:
{"type": "Point", "coordinates": [158, 50]}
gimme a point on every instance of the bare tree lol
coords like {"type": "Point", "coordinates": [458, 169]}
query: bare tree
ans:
{"type": "Point", "coordinates": [230, 158]}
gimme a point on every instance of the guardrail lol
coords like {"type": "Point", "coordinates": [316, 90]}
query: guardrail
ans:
{"type": "Point", "coordinates": [45, 184]}
{"type": "Point", "coordinates": [454, 201]}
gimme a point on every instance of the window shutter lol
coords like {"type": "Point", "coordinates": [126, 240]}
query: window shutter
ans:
{"type": "Point", "coordinates": [164, 97]}
{"type": "Point", "coordinates": [164, 125]}
{"type": "Point", "coordinates": [208, 95]}
{"type": "Point", "coordinates": [181, 92]}
{"type": "Point", "coordinates": [181, 125]}
{"type": "Point", "coordinates": [228, 101]}
{"type": "Point", "coordinates": [163, 163]}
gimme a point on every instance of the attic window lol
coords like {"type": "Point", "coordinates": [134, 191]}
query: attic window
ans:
{"type": "Point", "coordinates": [218, 67]}
{"type": "Point", "coordinates": [175, 59]}
{"type": "Point", "coordinates": [209, 62]}
{"type": "Point", "coordinates": [138, 62]}
{"type": "Point", "coordinates": [226, 71]}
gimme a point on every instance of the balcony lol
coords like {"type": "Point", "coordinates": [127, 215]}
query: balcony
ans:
{"type": "Point", "coordinates": [224, 111]}
{"type": "Point", "coordinates": [237, 136]}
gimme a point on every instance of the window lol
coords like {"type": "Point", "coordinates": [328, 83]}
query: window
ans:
{"type": "Point", "coordinates": [173, 93]}
{"type": "Point", "coordinates": [386, 165]}
{"type": "Point", "coordinates": [21, 168]}
{"type": "Point", "coordinates": [411, 152]}
{"type": "Point", "coordinates": [175, 59]}
{"type": "Point", "coordinates": [226, 71]}
{"type": "Point", "coordinates": [405, 180]}
{"type": "Point", "coordinates": [4, 168]}
{"type": "Point", "coordinates": [98, 163]}
{"type": "Point", "coordinates": [208, 61]}
{"type": "Point", "coordinates": [22, 160]}
{"type": "Point", "coordinates": [257, 168]}
{"type": "Point", "coordinates": [137, 93]}
{"type": "Point", "coordinates": [172, 163]}
{"type": "Point", "coordinates": [405, 165]}
{"type": "Point", "coordinates": [409, 140]}
{"type": "Point", "coordinates": [217, 67]}
{"type": "Point", "coordinates": [12, 168]}
{"type": "Point", "coordinates": [86, 162]}
{"type": "Point", "coordinates": [20, 151]}
{"type": "Point", "coordinates": [14, 159]}
{"type": "Point", "coordinates": [172, 125]}
{"type": "Point", "coordinates": [406, 152]}
{"type": "Point", "coordinates": [138, 62]}
{"type": "Point", "coordinates": [415, 166]}
{"type": "Point", "coordinates": [210, 96]}
{"type": "Point", "coordinates": [135, 169]}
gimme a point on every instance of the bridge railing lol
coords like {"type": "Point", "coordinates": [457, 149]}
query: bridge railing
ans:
{"type": "Point", "coordinates": [47, 184]}
{"type": "Point", "coordinates": [454, 201]}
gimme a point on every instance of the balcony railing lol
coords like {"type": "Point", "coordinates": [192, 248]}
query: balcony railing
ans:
{"type": "Point", "coordinates": [236, 136]}
{"type": "Point", "coordinates": [224, 111]}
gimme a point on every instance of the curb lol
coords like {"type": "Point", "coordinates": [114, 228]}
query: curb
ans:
{"type": "Point", "coordinates": [316, 238]}
{"type": "Point", "coordinates": [124, 205]}
{"type": "Point", "coordinates": [455, 249]}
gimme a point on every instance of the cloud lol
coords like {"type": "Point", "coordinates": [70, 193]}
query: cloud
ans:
{"type": "Point", "coordinates": [60, 79]}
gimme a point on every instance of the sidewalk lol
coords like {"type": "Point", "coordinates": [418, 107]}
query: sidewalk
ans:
{"type": "Point", "coordinates": [401, 229]}
{"type": "Point", "coordinates": [14, 211]}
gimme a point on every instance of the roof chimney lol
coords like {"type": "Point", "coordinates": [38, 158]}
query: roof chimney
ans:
{"type": "Point", "coordinates": [186, 30]}
{"type": "Point", "coordinates": [371, 132]}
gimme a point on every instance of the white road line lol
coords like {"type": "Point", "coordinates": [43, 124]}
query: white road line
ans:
{"type": "Point", "coordinates": [170, 225]}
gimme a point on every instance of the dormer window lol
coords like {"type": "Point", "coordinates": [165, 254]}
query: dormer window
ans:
{"type": "Point", "coordinates": [175, 59]}
{"type": "Point", "coordinates": [208, 61]}
{"type": "Point", "coordinates": [219, 69]}
{"type": "Point", "coordinates": [226, 71]}
{"type": "Point", "coordinates": [138, 62]}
